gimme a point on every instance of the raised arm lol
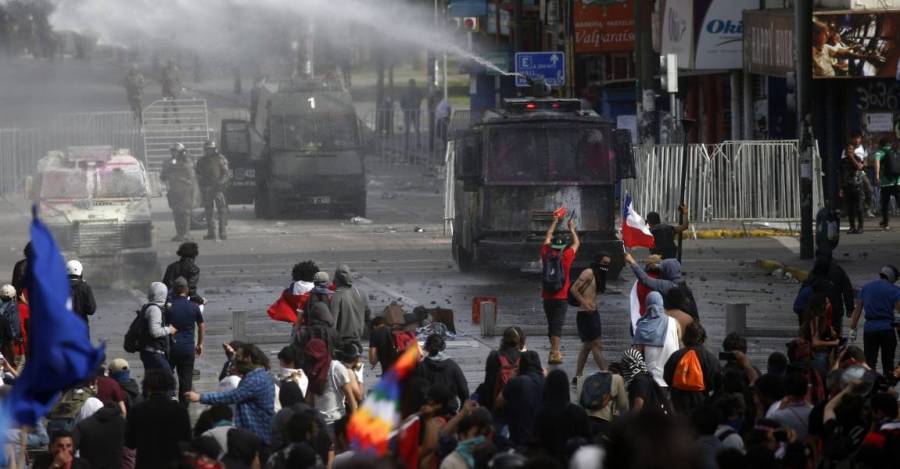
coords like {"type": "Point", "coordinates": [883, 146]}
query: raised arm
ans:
{"type": "Point", "coordinates": [549, 236]}
{"type": "Point", "coordinates": [576, 241]}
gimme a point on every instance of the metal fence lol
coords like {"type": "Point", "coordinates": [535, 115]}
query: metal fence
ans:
{"type": "Point", "coordinates": [394, 138]}
{"type": "Point", "coordinates": [732, 180]}
{"type": "Point", "coordinates": [20, 149]}
{"type": "Point", "coordinates": [168, 121]}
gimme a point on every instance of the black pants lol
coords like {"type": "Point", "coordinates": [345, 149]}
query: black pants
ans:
{"type": "Point", "coordinates": [886, 341]}
{"type": "Point", "coordinates": [886, 193]}
{"type": "Point", "coordinates": [853, 199]}
{"type": "Point", "coordinates": [183, 363]}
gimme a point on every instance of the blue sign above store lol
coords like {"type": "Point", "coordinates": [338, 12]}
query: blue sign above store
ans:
{"type": "Point", "coordinates": [461, 8]}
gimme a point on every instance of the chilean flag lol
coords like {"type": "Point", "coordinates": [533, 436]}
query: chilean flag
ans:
{"type": "Point", "coordinates": [635, 231]}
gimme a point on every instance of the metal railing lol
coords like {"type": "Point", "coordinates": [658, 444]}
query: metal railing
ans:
{"type": "Point", "coordinates": [732, 180]}
{"type": "Point", "coordinates": [20, 149]}
{"type": "Point", "coordinates": [170, 121]}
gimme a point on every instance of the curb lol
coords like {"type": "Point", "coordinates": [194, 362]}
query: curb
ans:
{"type": "Point", "coordinates": [739, 233]}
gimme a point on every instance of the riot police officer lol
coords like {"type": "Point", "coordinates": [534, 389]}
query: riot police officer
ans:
{"type": "Point", "coordinates": [213, 177]}
{"type": "Point", "coordinates": [178, 174]}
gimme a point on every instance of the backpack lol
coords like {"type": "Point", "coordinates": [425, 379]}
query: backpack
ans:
{"type": "Point", "coordinates": [138, 334]}
{"type": "Point", "coordinates": [70, 404]}
{"type": "Point", "coordinates": [596, 391]}
{"type": "Point", "coordinates": [688, 373]}
{"type": "Point", "coordinates": [552, 276]}
{"type": "Point", "coordinates": [402, 341]}
{"type": "Point", "coordinates": [891, 162]}
{"type": "Point", "coordinates": [508, 370]}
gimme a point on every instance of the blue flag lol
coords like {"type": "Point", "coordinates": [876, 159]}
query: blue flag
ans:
{"type": "Point", "coordinates": [61, 353]}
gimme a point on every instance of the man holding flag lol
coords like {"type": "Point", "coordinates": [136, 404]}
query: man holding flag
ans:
{"type": "Point", "coordinates": [635, 233]}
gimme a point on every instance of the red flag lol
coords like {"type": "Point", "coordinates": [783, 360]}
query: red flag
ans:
{"type": "Point", "coordinates": [635, 231]}
{"type": "Point", "coordinates": [408, 442]}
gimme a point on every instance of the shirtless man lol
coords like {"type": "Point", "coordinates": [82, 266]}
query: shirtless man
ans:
{"type": "Point", "coordinates": [589, 284]}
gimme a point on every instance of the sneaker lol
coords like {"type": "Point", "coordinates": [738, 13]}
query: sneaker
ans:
{"type": "Point", "coordinates": [555, 358]}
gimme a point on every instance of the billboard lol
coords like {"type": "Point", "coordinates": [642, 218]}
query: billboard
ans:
{"type": "Point", "coordinates": [855, 45]}
{"type": "Point", "coordinates": [705, 34]}
{"type": "Point", "coordinates": [769, 42]}
{"type": "Point", "coordinates": [604, 26]}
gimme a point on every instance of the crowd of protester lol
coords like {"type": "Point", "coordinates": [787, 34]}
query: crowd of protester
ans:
{"type": "Point", "coordinates": [666, 401]}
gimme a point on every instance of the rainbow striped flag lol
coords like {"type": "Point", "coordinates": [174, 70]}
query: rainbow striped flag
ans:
{"type": "Point", "coordinates": [371, 426]}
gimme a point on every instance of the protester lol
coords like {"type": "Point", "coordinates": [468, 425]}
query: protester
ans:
{"type": "Point", "coordinates": [61, 454]}
{"type": "Point", "coordinates": [692, 373]}
{"type": "Point", "coordinates": [818, 333]}
{"type": "Point", "coordinates": [604, 398]}
{"type": "Point", "coordinates": [156, 341]}
{"type": "Point", "coordinates": [793, 411]}
{"type": "Point", "coordinates": [244, 450]}
{"type": "Point", "coordinates": [330, 391]}
{"type": "Point", "coordinates": [319, 324]}
{"type": "Point", "coordinates": [827, 277]}
{"type": "Point", "coordinates": [254, 397]}
{"type": "Point", "coordinates": [186, 267]}
{"type": "Point", "coordinates": [80, 292]}
{"type": "Point", "coordinates": [559, 420]}
{"type": "Point", "coordinates": [439, 369]}
{"type": "Point", "coordinates": [643, 391]}
{"type": "Point", "coordinates": [657, 335]}
{"type": "Point", "coordinates": [473, 433]}
{"type": "Point", "coordinates": [290, 305]}
{"type": "Point", "coordinates": [439, 408]}
{"type": "Point", "coordinates": [350, 308]}
{"type": "Point", "coordinates": [156, 426]}
{"type": "Point", "coordinates": [557, 256]}
{"type": "Point", "coordinates": [302, 430]}
{"type": "Point", "coordinates": [664, 235]}
{"type": "Point", "coordinates": [220, 420]}
{"type": "Point", "coordinates": [888, 177]}
{"type": "Point", "coordinates": [119, 371]}
{"type": "Point", "coordinates": [348, 355]}
{"type": "Point", "coordinates": [101, 438]}
{"type": "Point", "coordinates": [521, 394]}
{"type": "Point", "coordinates": [290, 359]}
{"type": "Point", "coordinates": [183, 314]}
{"type": "Point", "coordinates": [852, 177]}
{"type": "Point", "coordinates": [11, 330]}
{"type": "Point", "coordinates": [880, 299]}
{"type": "Point", "coordinates": [586, 289]}
{"type": "Point", "coordinates": [500, 366]}
{"type": "Point", "coordinates": [109, 391]}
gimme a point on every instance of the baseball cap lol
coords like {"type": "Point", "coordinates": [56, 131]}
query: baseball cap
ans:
{"type": "Point", "coordinates": [8, 291]}
{"type": "Point", "coordinates": [117, 365]}
{"type": "Point", "coordinates": [559, 242]}
{"type": "Point", "coordinates": [321, 277]}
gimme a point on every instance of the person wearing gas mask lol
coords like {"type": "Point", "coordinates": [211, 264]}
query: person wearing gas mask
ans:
{"type": "Point", "coordinates": [583, 294]}
{"type": "Point", "coordinates": [178, 174]}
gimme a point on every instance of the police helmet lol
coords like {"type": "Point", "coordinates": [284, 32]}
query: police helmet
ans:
{"type": "Point", "coordinates": [209, 145]}
{"type": "Point", "coordinates": [177, 148]}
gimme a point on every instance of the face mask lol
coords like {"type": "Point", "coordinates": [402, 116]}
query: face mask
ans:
{"type": "Point", "coordinates": [600, 271]}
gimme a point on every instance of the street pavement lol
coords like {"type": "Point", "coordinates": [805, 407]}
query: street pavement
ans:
{"type": "Point", "coordinates": [396, 262]}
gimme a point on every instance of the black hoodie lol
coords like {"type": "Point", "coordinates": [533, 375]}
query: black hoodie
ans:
{"type": "Point", "coordinates": [438, 369]}
{"type": "Point", "coordinates": [101, 438]}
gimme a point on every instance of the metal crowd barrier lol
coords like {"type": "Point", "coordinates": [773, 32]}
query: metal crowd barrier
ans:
{"type": "Point", "coordinates": [20, 149]}
{"type": "Point", "coordinates": [732, 180]}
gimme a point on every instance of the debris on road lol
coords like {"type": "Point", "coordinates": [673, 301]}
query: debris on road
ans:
{"type": "Point", "coordinates": [360, 221]}
{"type": "Point", "coordinates": [419, 230]}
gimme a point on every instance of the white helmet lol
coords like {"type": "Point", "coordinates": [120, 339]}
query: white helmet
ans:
{"type": "Point", "coordinates": [74, 268]}
{"type": "Point", "coordinates": [8, 291]}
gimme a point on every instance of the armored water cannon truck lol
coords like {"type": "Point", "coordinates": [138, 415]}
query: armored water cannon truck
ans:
{"type": "Point", "coordinates": [518, 164]}
{"type": "Point", "coordinates": [301, 151]}
{"type": "Point", "coordinates": [95, 200]}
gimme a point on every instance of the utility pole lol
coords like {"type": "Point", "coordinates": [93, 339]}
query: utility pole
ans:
{"type": "Point", "coordinates": [644, 61]}
{"type": "Point", "coordinates": [803, 58]}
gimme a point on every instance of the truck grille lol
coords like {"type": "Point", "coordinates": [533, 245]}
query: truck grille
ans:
{"type": "Point", "coordinates": [97, 237]}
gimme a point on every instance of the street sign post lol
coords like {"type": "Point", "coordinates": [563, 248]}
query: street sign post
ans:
{"type": "Point", "coordinates": [549, 66]}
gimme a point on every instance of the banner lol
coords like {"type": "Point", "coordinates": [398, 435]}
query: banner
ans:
{"type": "Point", "coordinates": [705, 34]}
{"type": "Point", "coordinates": [769, 42]}
{"type": "Point", "coordinates": [855, 45]}
{"type": "Point", "coordinates": [678, 31]}
{"type": "Point", "coordinates": [604, 26]}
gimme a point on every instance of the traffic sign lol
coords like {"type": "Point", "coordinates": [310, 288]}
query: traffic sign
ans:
{"type": "Point", "coordinates": [550, 66]}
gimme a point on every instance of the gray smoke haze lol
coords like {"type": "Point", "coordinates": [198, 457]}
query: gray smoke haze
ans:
{"type": "Point", "coordinates": [226, 28]}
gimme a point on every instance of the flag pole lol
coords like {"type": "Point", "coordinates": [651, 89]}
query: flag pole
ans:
{"type": "Point", "coordinates": [686, 125]}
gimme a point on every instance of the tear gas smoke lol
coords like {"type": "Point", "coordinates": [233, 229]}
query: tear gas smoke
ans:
{"type": "Point", "coordinates": [239, 28]}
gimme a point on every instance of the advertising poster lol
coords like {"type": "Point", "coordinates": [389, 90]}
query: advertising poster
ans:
{"type": "Point", "coordinates": [855, 45]}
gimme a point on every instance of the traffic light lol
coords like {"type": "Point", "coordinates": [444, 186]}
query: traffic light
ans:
{"type": "Point", "coordinates": [668, 73]}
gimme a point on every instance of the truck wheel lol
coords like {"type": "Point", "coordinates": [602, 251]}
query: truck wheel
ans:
{"type": "Point", "coordinates": [463, 257]}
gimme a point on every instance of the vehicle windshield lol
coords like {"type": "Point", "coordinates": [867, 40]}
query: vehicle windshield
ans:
{"type": "Point", "coordinates": [312, 132]}
{"type": "Point", "coordinates": [236, 140]}
{"type": "Point", "coordinates": [549, 154]}
{"type": "Point", "coordinates": [120, 182]}
{"type": "Point", "coordinates": [64, 184]}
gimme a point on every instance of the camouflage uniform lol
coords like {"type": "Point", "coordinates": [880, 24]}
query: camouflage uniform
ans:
{"type": "Point", "coordinates": [178, 174]}
{"type": "Point", "coordinates": [213, 177]}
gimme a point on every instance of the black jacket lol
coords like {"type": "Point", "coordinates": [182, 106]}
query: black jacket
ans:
{"type": "Point", "coordinates": [154, 428]}
{"type": "Point", "coordinates": [18, 276]}
{"type": "Point", "coordinates": [184, 267]}
{"type": "Point", "coordinates": [101, 438]}
{"type": "Point", "coordinates": [446, 372]}
{"type": "Point", "coordinates": [44, 461]}
{"type": "Point", "coordinates": [83, 302]}
{"type": "Point", "coordinates": [840, 292]}
{"type": "Point", "coordinates": [132, 392]}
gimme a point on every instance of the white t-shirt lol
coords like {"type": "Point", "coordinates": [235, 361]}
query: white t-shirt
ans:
{"type": "Point", "coordinates": [331, 403]}
{"type": "Point", "coordinates": [656, 357]}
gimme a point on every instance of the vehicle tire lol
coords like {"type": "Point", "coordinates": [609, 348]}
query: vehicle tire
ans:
{"type": "Point", "coordinates": [463, 257]}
